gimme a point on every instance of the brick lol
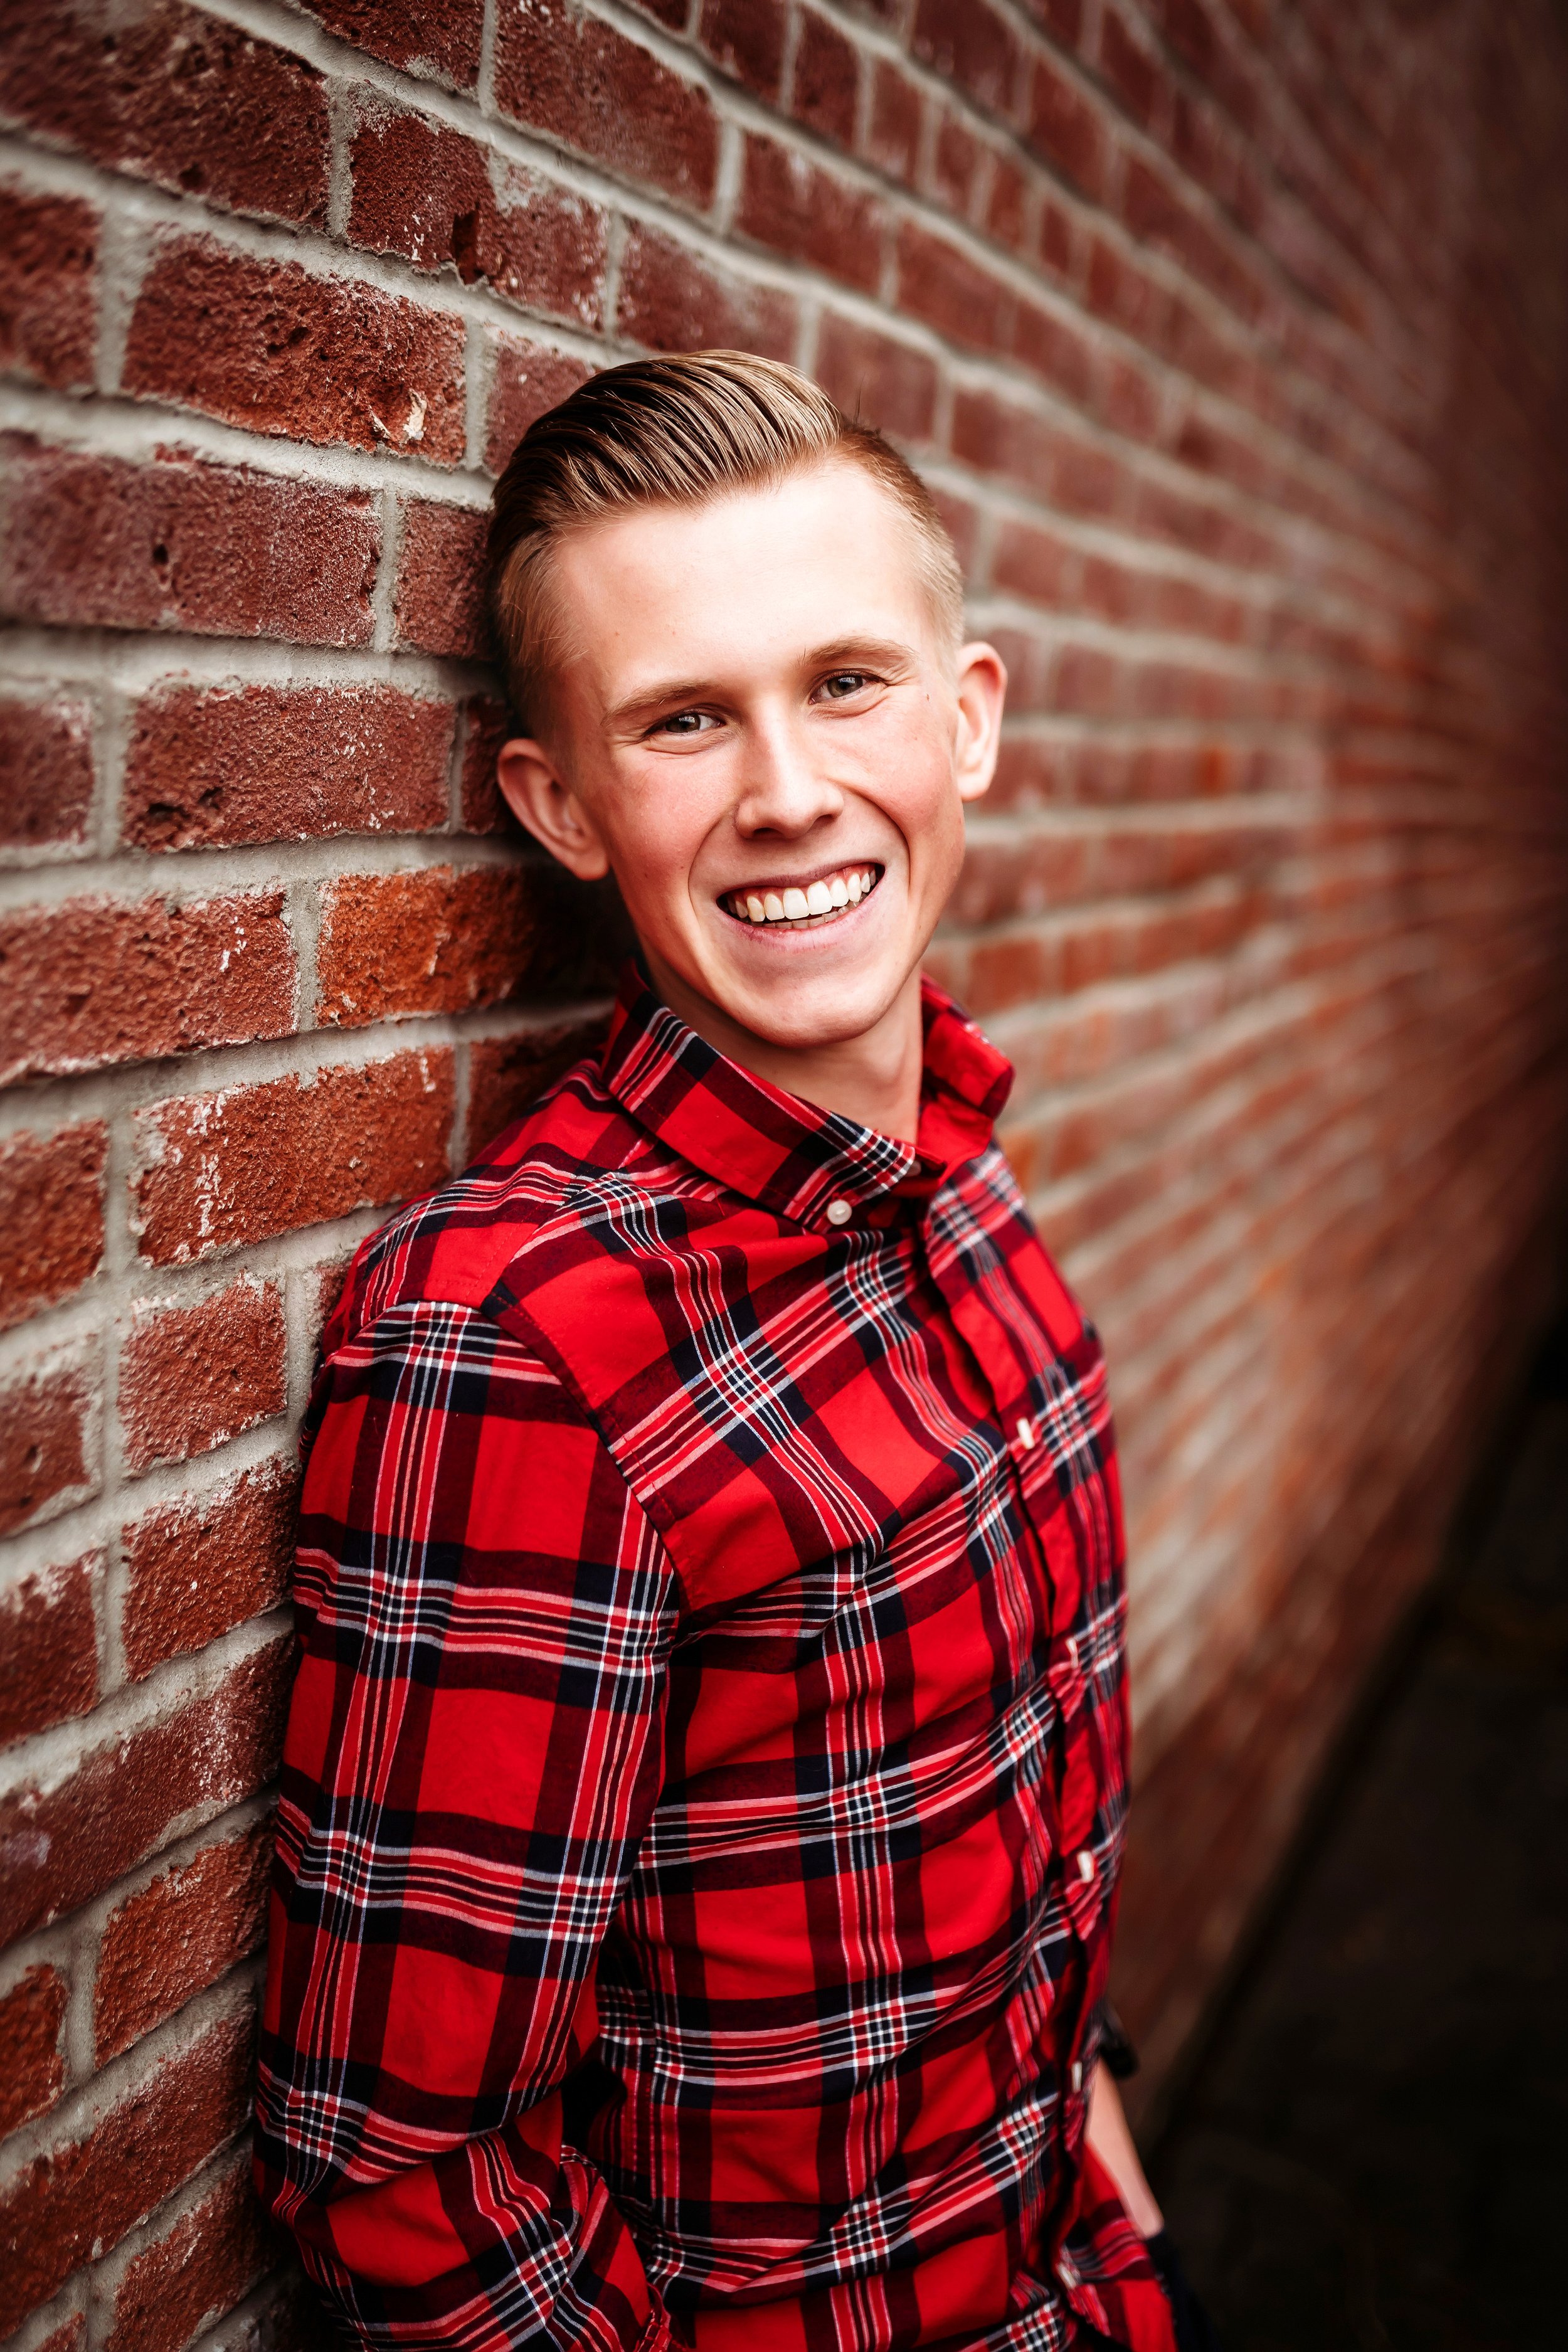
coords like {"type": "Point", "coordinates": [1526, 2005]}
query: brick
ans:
{"type": "Point", "coordinates": [526, 379]}
{"type": "Point", "coordinates": [443, 202]}
{"type": "Point", "coordinates": [269, 346]}
{"type": "Point", "coordinates": [182, 1931]}
{"type": "Point", "coordinates": [1011, 205]}
{"type": "Point", "coordinates": [583, 83]}
{"type": "Point", "coordinates": [123, 1801]}
{"type": "Point", "coordinates": [955, 160]}
{"type": "Point", "coordinates": [97, 981]}
{"type": "Point", "coordinates": [32, 2070]}
{"type": "Point", "coordinates": [1054, 351]}
{"type": "Point", "coordinates": [51, 1216]}
{"type": "Point", "coordinates": [45, 772]}
{"type": "Point", "coordinates": [48, 288]}
{"type": "Point", "coordinates": [438, 941]}
{"type": "Point", "coordinates": [48, 1647]}
{"type": "Point", "coordinates": [487, 726]}
{"type": "Point", "coordinates": [745, 39]}
{"type": "Point", "coordinates": [172, 95]}
{"type": "Point", "coordinates": [194, 1377]}
{"type": "Point", "coordinates": [825, 91]}
{"type": "Point", "coordinates": [50, 1441]}
{"type": "Point", "coordinates": [1065, 128]}
{"type": "Point", "coordinates": [670, 300]}
{"type": "Point", "coordinates": [203, 2265]}
{"type": "Point", "coordinates": [197, 1566]}
{"type": "Point", "coordinates": [1034, 564]}
{"type": "Point", "coordinates": [95, 541]}
{"type": "Point", "coordinates": [889, 384]}
{"type": "Point", "coordinates": [791, 205]}
{"type": "Point", "coordinates": [1130, 68]}
{"type": "Point", "coordinates": [220, 1170]}
{"type": "Point", "coordinates": [893, 126]}
{"type": "Point", "coordinates": [438, 605]}
{"type": "Point", "coordinates": [76, 2203]}
{"type": "Point", "coordinates": [506, 1075]}
{"type": "Point", "coordinates": [940, 284]}
{"type": "Point", "coordinates": [969, 43]}
{"type": "Point", "coordinates": [216, 766]}
{"type": "Point", "coordinates": [442, 42]}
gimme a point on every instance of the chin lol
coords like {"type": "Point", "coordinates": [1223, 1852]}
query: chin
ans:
{"type": "Point", "coordinates": [804, 1019]}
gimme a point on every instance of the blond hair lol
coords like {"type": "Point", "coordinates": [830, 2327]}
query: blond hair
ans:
{"type": "Point", "coordinates": [674, 432]}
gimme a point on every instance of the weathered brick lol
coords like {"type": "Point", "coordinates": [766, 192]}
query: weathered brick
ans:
{"type": "Point", "coordinates": [180, 1933]}
{"type": "Point", "coordinates": [443, 43]}
{"type": "Point", "coordinates": [673, 301]}
{"type": "Point", "coordinates": [174, 96]}
{"type": "Point", "coordinates": [955, 160]}
{"type": "Point", "coordinates": [197, 1566]}
{"type": "Point", "coordinates": [202, 2265]}
{"type": "Point", "coordinates": [438, 605]}
{"type": "Point", "coordinates": [32, 2070]}
{"type": "Point", "coordinates": [488, 723]}
{"type": "Point", "coordinates": [792, 204]}
{"type": "Point", "coordinates": [745, 38]}
{"type": "Point", "coordinates": [869, 376]}
{"type": "Point", "coordinates": [583, 82]}
{"type": "Point", "coordinates": [940, 284]}
{"type": "Point", "coordinates": [1065, 127]}
{"type": "Point", "coordinates": [423, 190]}
{"type": "Point", "coordinates": [193, 1377]}
{"type": "Point", "coordinates": [434, 941]}
{"type": "Point", "coordinates": [222, 1169]}
{"type": "Point", "coordinates": [216, 766]}
{"type": "Point", "coordinates": [507, 1074]}
{"type": "Point", "coordinates": [268, 345]}
{"type": "Point", "coordinates": [97, 981]}
{"type": "Point", "coordinates": [48, 1647]}
{"type": "Point", "coordinates": [825, 91]}
{"type": "Point", "coordinates": [99, 542]}
{"type": "Point", "coordinates": [525, 380]}
{"type": "Point", "coordinates": [51, 1216]}
{"type": "Point", "coordinates": [48, 286]}
{"type": "Point", "coordinates": [50, 1440]}
{"type": "Point", "coordinates": [45, 772]}
{"type": "Point", "coordinates": [971, 44]}
{"type": "Point", "coordinates": [76, 2202]}
{"type": "Point", "coordinates": [1130, 68]}
{"type": "Point", "coordinates": [70, 1841]}
{"type": "Point", "coordinates": [894, 122]}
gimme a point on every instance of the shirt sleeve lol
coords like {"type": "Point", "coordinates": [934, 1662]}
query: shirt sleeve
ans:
{"type": "Point", "coordinates": [473, 1753]}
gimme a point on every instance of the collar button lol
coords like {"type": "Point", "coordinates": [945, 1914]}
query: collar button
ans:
{"type": "Point", "coordinates": [839, 1213]}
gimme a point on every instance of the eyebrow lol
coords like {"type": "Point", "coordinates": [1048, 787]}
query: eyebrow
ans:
{"type": "Point", "coordinates": [842, 653]}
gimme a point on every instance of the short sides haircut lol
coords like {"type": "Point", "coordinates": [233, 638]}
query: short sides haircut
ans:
{"type": "Point", "coordinates": [673, 432]}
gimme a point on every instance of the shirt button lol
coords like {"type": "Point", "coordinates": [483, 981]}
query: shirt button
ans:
{"type": "Point", "coordinates": [1085, 1865]}
{"type": "Point", "coordinates": [1077, 2073]}
{"type": "Point", "coordinates": [839, 1213]}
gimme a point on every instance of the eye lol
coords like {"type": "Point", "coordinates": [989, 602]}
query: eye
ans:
{"type": "Point", "coordinates": [843, 683]}
{"type": "Point", "coordinates": [684, 722]}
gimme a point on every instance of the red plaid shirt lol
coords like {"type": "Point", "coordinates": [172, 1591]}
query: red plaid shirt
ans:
{"type": "Point", "coordinates": [705, 1783]}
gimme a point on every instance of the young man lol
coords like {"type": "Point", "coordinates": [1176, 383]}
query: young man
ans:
{"type": "Point", "coordinates": [705, 1782]}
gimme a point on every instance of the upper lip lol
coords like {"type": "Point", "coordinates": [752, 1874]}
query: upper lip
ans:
{"type": "Point", "coordinates": [782, 882]}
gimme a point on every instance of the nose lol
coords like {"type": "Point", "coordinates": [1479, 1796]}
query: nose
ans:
{"type": "Point", "coordinates": [782, 788]}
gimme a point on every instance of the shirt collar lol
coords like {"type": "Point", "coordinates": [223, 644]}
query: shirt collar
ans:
{"type": "Point", "coordinates": [786, 1154]}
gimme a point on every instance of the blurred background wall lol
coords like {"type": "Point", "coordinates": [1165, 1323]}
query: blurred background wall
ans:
{"type": "Point", "coordinates": [1233, 335]}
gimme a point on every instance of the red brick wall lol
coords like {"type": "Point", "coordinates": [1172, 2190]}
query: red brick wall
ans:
{"type": "Point", "coordinates": [1232, 335]}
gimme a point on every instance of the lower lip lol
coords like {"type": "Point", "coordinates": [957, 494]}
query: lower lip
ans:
{"type": "Point", "coordinates": [805, 926]}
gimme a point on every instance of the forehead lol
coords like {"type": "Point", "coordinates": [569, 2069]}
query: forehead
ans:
{"type": "Point", "coordinates": [826, 553]}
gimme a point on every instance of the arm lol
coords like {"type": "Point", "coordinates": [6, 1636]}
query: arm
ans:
{"type": "Point", "coordinates": [1111, 2141]}
{"type": "Point", "coordinates": [473, 1755]}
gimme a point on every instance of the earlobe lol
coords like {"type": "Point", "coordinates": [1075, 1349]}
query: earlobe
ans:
{"type": "Point", "coordinates": [539, 798]}
{"type": "Point", "coordinates": [981, 691]}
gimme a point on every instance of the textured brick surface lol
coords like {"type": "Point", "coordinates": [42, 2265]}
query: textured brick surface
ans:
{"type": "Point", "coordinates": [212, 765]}
{"type": "Point", "coordinates": [193, 1377]}
{"type": "Point", "coordinates": [1233, 344]}
{"type": "Point", "coordinates": [177, 1935]}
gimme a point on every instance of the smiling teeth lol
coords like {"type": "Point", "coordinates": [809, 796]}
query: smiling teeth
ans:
{"type": "Point", "coordinates": [794, 905]}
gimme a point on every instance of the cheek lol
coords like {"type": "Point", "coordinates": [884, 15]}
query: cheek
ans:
{"type": "Point", "coordinates": [655, 826]}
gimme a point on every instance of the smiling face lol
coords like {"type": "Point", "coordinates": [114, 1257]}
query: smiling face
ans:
{"type": "Point", "coordinates": [758, 724]}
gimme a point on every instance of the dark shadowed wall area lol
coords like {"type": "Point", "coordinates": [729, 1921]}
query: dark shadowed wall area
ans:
{"type": "Point", "coordinates": [1232, 335]}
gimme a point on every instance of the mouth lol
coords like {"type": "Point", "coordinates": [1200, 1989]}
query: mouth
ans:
{"type": "Point", "coordinates": [803, 906]}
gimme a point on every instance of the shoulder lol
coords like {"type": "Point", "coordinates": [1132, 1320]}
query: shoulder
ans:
{"type": "Point", "coordinates": [468, 1242]}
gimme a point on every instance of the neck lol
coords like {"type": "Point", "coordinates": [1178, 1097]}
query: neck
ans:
{"type": "Point", "coordinates": [874, 1079]}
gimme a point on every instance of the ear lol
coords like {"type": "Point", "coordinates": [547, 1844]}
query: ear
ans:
{"type": "Point", "coordinates": [539, 797]}
{"type": "Point", "coordinates": [982, 690]}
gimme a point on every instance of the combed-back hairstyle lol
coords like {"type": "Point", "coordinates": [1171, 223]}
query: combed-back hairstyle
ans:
{"type": "Point", "coordinates": [673, 432]}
